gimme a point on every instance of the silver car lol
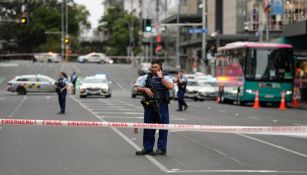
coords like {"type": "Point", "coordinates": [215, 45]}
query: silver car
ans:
{"type": "Point", "coordinates": [31, 83]}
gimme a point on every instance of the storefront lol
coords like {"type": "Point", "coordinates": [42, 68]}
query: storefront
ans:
{"type": "Point", "coordinates": [301, 75]}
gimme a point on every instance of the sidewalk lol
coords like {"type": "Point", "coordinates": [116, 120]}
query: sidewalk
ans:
{"type": "Point", "coordinates": [302, 105]}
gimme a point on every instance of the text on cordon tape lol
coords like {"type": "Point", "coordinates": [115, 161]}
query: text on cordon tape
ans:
{"type": "Point", "coordinates": [263, 130]}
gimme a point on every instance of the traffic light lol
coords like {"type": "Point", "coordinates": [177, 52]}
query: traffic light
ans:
{"type": "Point", "coordinates": [146, 26]}
{"type": "Point", "coordinates": [66, 40]}
{"type": "Point", "coordinates": [24, 20]}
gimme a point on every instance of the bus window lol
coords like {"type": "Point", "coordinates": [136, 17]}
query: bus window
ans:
{"type": "Point", "coordinates": [267, 64]}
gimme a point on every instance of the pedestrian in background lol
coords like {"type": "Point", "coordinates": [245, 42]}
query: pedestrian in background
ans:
{"type": "Point", "coordinates": [182, 85]}
{"type": "Point", "coordinates": [62, 84]}
{"type": "Point", "coordinates": [155, 86]}
{"type": "Point", "coordinates": [73, 79]}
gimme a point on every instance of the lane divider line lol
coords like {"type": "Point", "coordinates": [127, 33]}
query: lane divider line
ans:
{"type": "Point", "coordinates": [18, 107]}
{"type": "Point", "coordinates": [123, 136]}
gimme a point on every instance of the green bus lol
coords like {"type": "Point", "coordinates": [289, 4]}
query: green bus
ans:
{"type": "Point", "coordinates": [243, 68]}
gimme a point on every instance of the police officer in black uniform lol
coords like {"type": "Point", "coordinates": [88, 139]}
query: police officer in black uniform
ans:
{"type": "Point", "coordinates": [155, 86]}
{"type": "Point", "coordinates": [182, 85]}
{"type": "Point", "coordinates": [62, 84]}
{"type": "Point", "coordinates": [73, 79]}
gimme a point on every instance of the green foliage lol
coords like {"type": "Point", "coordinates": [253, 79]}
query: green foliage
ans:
{"type": "Point", "coordinates": [43, 16]}
{"type": "Point", "coordinates": [116, 24]}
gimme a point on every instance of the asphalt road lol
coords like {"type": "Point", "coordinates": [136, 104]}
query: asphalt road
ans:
{"type": "Point", "coordinates": [26, 150]}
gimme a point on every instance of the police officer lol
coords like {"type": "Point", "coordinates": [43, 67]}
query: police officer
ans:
{"type": "Point", "coordinates": [62, 84]}
{"type": "Point", "coordinates": [182, 85]}
{"type": "Point", "coordinates": [73, 79]}
{"type": "Point", "coordinates": [155, 85]}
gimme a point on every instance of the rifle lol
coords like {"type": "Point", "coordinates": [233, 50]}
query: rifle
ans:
{"type": "Point", "coordinates": [156, 97]}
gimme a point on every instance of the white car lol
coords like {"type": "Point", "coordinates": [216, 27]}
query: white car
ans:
{"type": "Point", "coordinates": [34, 83]}
{"type": "Point", "coordinates": [207, 90]}
{"type": "Point", "coordinates": [31, 83]}
{"type": "Point", "coordinates": [47, 57]}
{"type": "Point", "coordinates": [95, 85]}
{"type": "Point", "coordinates": [94, 58]}
{"type": "Point", "coordinates": [192, 90]}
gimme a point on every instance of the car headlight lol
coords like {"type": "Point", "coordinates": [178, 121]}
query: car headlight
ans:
{"type": "Point", "coordinates": [288, 92]}
{"type": "Point", "coordinates": [82, 90]}
{"type": "Point", "coordinates": [250, 91]}
{"type": "Point", "coordinates": [111, 62]}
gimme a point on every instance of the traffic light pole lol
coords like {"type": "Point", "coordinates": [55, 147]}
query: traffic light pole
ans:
{"type": "Point", "coordinates": [62, 29]}
{"type": "Point", "coordinates": [177, 38]}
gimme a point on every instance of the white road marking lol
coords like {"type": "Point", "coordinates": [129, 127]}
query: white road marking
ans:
{"type": "Point", "coordinates": [62, 67]}
{"type": "Point", "coordinates": [237, 171]}
{"type": "Point", "coordinates": [112, 109]}
{"type": "Point", "coordinates": [274, 145]}
{"type": "Point", "coordinates": [18, 107]}
{"type": "Point", "coordinates": [125, 113]}
{"type": "Point", "coordinates": [252, 117]}
{"type": "Point", "coordinates": [77, 68]}
{"type": "Point", "coordinates": [8, 64]}
{"type": "Point", "coordinates": [215, 150]}
{"type": "Point", "coordinates": [2, 98]}
{"type": "Point", "coordinates": [47, 97]}
{"type": "Point", "coordinates": [222, 111]}
{"type": "Point", "coordinates": [134, 145]}
{"type": "Point", "coordinates": [181, 163]}
{"type": "Point", "coordinates": [137, 117]}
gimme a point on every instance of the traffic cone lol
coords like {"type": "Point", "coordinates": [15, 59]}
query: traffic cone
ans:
{"type": "Point", "coordinates": [256, 103]}
{"type": "Point", "coordinates": [282, 103]}
{"type": "Point", "coordinates": [294, 98]}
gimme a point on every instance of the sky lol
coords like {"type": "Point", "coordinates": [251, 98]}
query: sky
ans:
{"type": "Point", "coordinates": [95, 8]}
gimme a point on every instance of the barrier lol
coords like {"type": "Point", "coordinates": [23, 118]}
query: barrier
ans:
{"type": "Point", "coordinates": [256, 103]}
{"type": "Point", "coordinates": [262, 130]}
{"type": "Point", "coordinates": [283, 101]}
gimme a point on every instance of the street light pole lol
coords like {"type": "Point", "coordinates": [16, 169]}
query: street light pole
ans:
{"type": "Point", "coordinates": [62, 29]}
{"type": "Point", "coordinates": [177, 38]}
{"type": "Point", "coordinates": [204, 34]}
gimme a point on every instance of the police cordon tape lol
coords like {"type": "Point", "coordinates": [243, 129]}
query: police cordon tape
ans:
{"type": "Point", "coordinates": [262, 130]}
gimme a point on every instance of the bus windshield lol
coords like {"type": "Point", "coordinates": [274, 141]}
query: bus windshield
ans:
{"type": "Point", "coordinates": [269, 64]}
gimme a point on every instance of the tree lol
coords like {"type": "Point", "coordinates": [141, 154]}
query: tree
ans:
{"type": "Point", "coordinates": [43, 16]}
{"type": "Point", "coordinates": [116, 24]}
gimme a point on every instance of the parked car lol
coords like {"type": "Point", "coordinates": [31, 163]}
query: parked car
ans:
{"type": "Point", "coordinates": [192, 90]}
{"type": "Point", "coordinates": [134, 93]}
{"type": "Point", "coordinates": [144, 68]}
{"type": "Point", "coordinates": [31, 83]}
{"type": "Point", "coordinates": [208, 90]}
{"type": "Point", "coordinates": [47, 57]}
{"type": "Point", "coordinates": [94, 58]}
{"type": "Point", "coordinates": [95, 85]}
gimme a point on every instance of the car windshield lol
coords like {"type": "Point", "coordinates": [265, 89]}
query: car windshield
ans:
{"type": "Point", "coordinates": [94, 80]}
{"type": "Point", "coordinates": [192, 83]}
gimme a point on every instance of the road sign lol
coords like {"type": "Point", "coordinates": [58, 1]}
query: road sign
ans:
{"type": "Point", "coordinates": [198, 30]}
